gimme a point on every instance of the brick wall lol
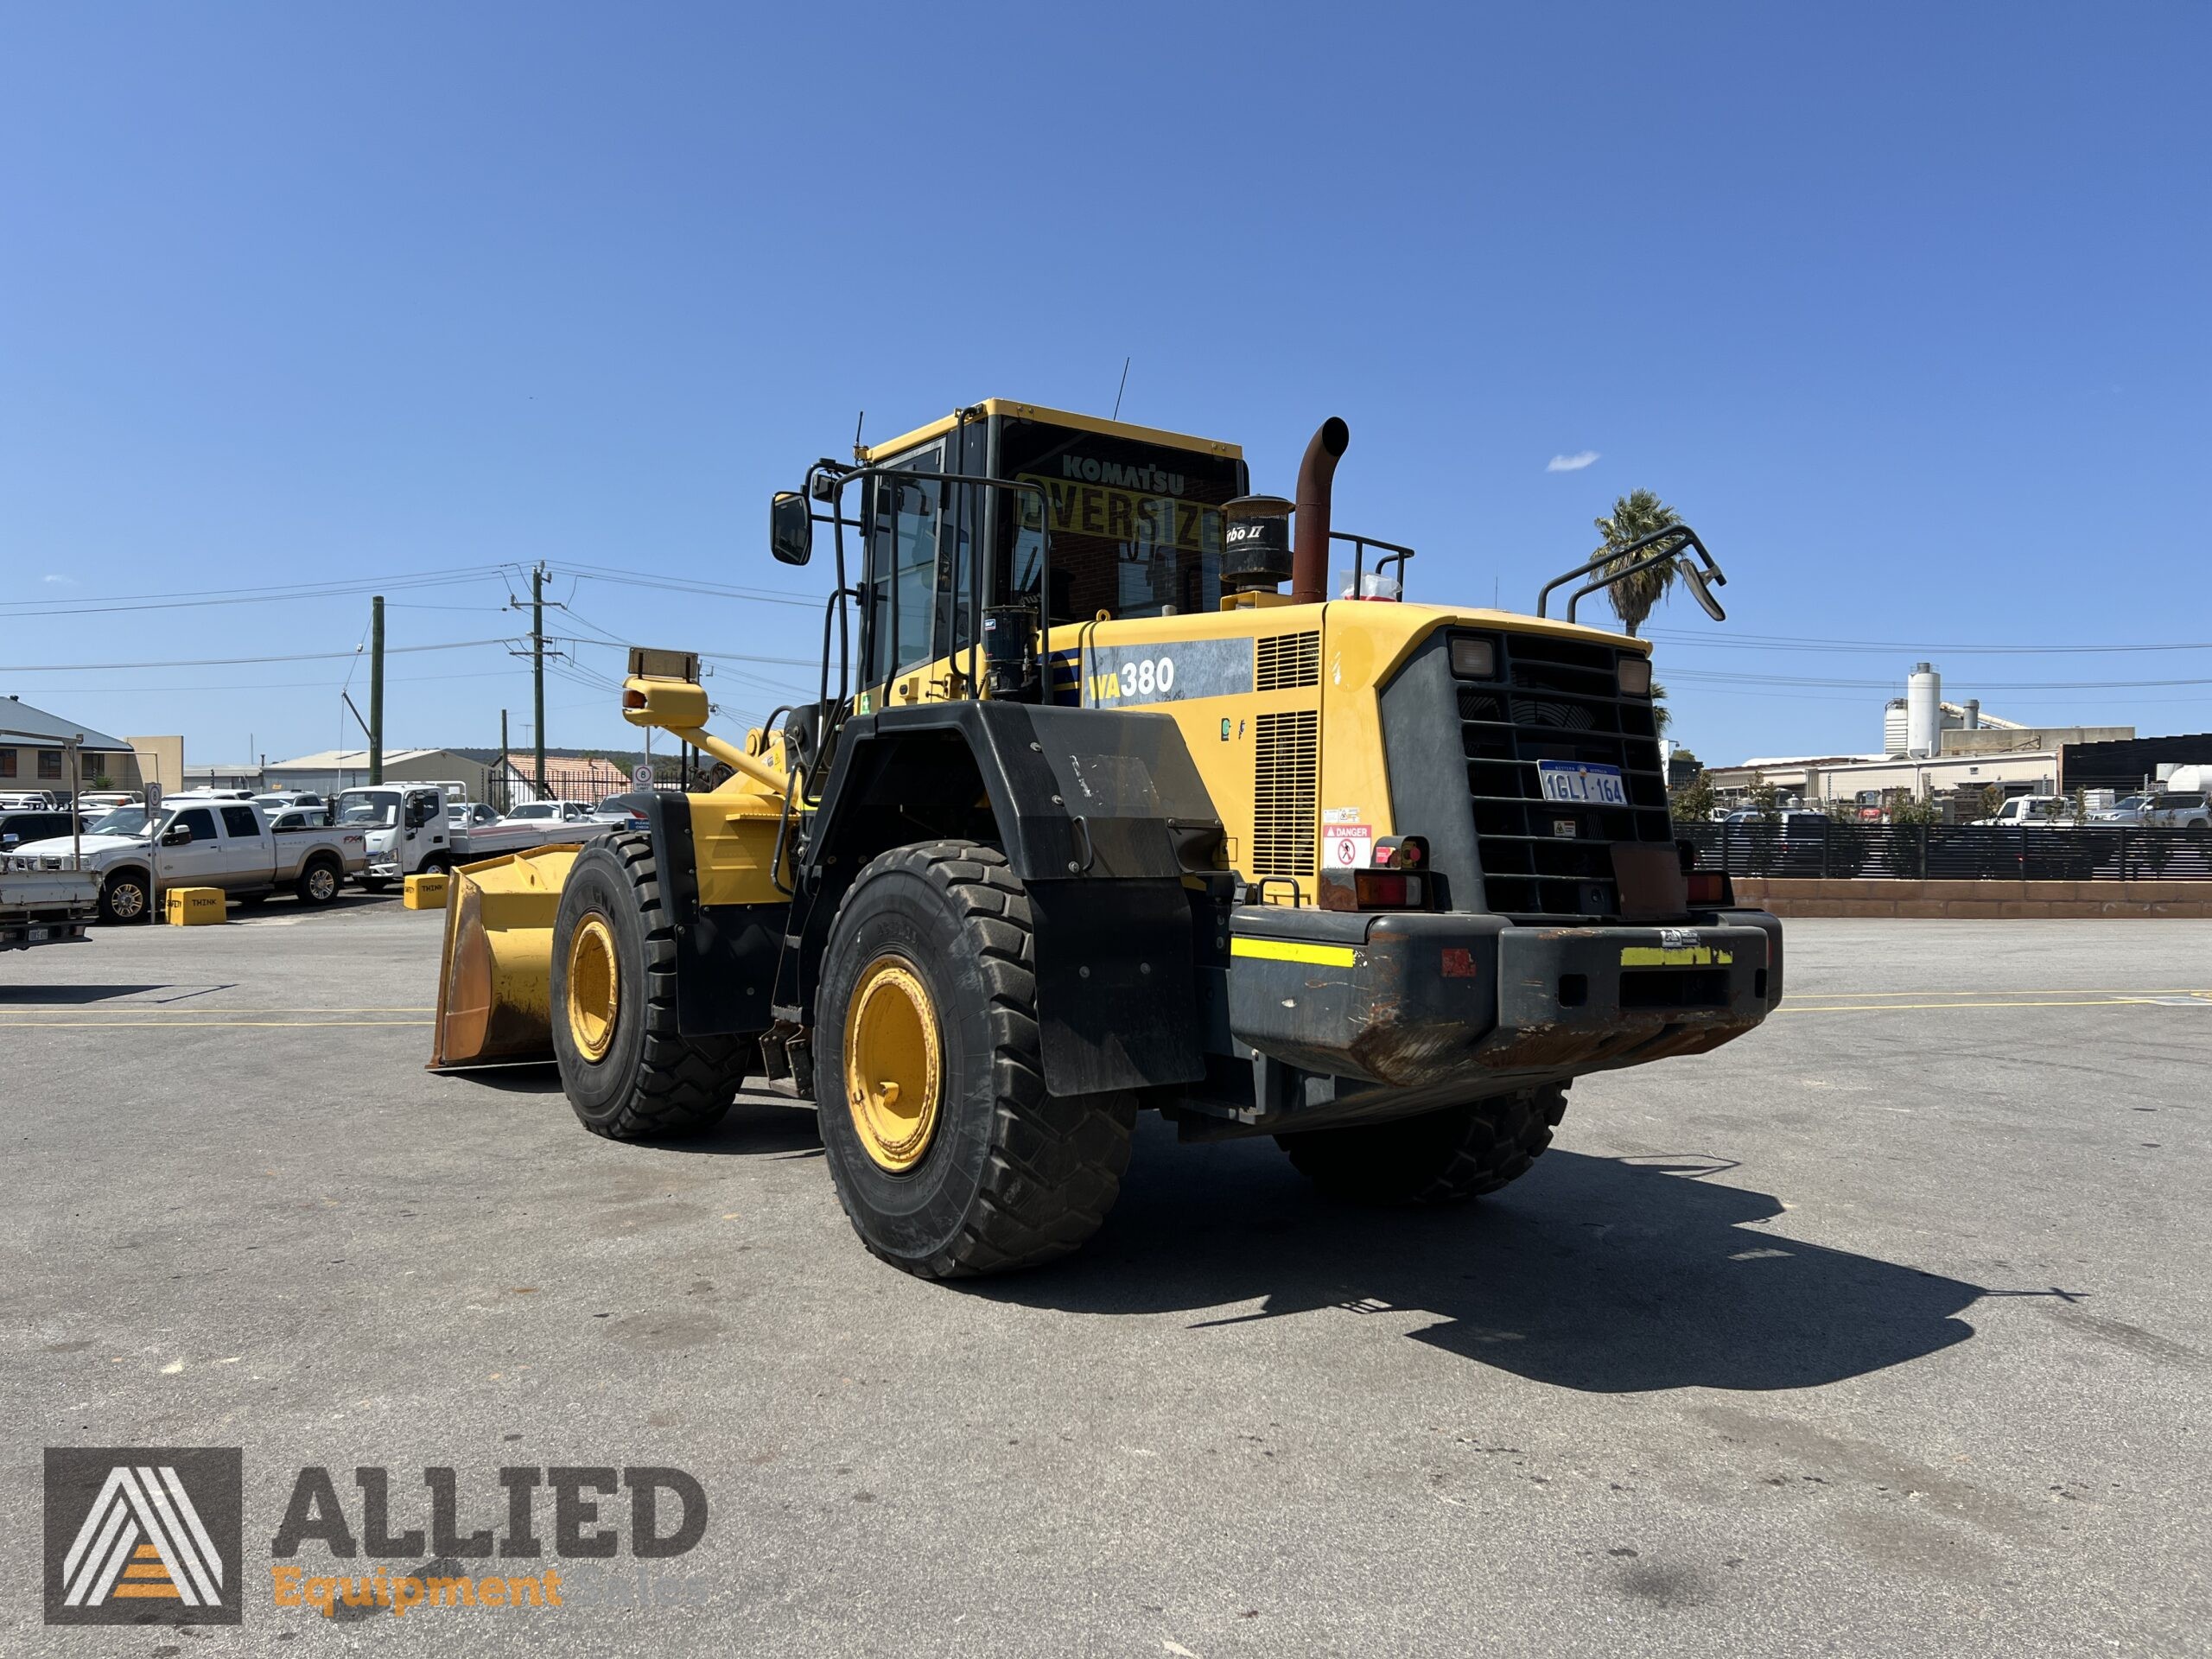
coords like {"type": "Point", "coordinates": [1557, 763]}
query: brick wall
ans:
{"type": "Point", "coordinates": [1977, 900]}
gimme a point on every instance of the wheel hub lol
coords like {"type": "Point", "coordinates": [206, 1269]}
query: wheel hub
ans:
{"type": "Point", "coordinates": [594, 987]}
{"type": "Point", "coordinates": [893, 1076]}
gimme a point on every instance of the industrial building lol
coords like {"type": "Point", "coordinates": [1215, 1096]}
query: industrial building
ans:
{"type": "Point", "coordinates": [1929, 748]}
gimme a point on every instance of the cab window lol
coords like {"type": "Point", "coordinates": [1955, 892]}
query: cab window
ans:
{"type": "Point", "coordinates": [200, 822]}
{"type": "Point", "coordinates": [902, 567]}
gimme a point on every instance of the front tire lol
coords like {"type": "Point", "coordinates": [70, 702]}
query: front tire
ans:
{"type": "Point", "coordinates": [628, 1072]}
{"type": "Point", "coordinates": [1437, 1158]}
{"type": "Point", "coordinates": [949, 1156]}
{"type": "Point", "coordinates": [126, 899]}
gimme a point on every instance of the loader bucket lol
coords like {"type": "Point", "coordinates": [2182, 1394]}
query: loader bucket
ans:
{"type": "Point", "coordinates": [495, 979]}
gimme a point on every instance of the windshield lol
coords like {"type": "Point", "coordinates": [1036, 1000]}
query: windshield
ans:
{"type": "Point", "coordinates": [537, 810]}
{"type": "Point", "coordinates": [369, 811]}
{"type": "Point", "coordinates": [123, 821]}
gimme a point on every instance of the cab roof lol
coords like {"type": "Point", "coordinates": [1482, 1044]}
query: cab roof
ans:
{"type": "Point", "coordinates": [868, 454]}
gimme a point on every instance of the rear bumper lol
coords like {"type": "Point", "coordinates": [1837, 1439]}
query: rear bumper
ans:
{"type": "Point", "coordinates": [1470, 1005]}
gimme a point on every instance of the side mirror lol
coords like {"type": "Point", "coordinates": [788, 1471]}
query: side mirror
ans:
{"type": "Point", "coordinates": [1702, 593]}
{"type": "Point", "coordinates": [791, 528]}
{"type": "Point", "coordinates": [177, 835]}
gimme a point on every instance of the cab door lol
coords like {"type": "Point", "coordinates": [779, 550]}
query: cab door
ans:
{"type": "Point", "coordinates": [196, 862]}
{"type": "Point", "coordinates": [901, 602]}
{"type": "Point", "coordinates": [424, 827]}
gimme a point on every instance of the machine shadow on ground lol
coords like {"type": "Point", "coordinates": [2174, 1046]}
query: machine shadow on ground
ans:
{"type": "Point", "coordinates": [1609, 1275]}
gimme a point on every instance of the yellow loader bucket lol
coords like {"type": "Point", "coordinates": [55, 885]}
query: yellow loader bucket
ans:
{"type": "Point", "coordinates": [495, 979]}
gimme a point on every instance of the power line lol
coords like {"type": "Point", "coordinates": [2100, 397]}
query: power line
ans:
{"type": "Point", "coordinates": [192, 599]}
{"type": "Point", "coordinates": [232, 662]}
{"type": "Point", "coordinates": [1794, 642]}
{"type": "Point", "coordinates": [1723, 677]}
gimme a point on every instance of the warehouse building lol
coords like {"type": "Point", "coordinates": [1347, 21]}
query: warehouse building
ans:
{"type": "Point", "coordinates": [1929, 748]}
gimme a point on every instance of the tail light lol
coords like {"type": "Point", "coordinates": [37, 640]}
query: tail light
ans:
{"type": "Point", "coordinates": [1711, 887]}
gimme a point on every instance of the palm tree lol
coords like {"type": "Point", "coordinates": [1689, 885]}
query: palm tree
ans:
{"type": "Point", "coordinates": [1635, 515]}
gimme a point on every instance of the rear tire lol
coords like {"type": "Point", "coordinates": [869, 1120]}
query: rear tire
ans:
{"type": "Point", "coordinates": [974, 1169]}
{"type": "Point", "coordinates": [319, 883]}
{"type": "Point", "coordinates": [1437, 1158]}
{"type": "Point", "coordinates": [373, 884]}
{"type": "Point", "coordinates": [629, 1074]}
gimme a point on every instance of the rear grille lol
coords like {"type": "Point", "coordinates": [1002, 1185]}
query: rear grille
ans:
{"type": "Point", "coordinates": [1556, 700]}
{"type": "Point", "coordinates": [1285, 793]}
{"type": "Point", "coordinates": [1283, 661]}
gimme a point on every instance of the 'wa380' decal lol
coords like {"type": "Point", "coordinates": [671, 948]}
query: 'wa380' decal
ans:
{"type": "Point", "coordinates": [1176, 671]}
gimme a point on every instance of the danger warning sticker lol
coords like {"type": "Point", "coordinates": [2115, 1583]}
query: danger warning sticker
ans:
{"type": "Point", "coordinates": [1347, 846]}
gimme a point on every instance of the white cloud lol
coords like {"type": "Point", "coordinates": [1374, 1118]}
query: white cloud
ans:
{"type": "Point", "coordinates": [61, 581]}
{"type": "Point", "coordinates": [1573, 463]}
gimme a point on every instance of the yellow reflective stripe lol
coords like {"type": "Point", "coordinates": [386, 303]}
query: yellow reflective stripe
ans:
{"type": "Point", "coordinates": [1329, 956]}
{"type": "Point", "coordinates": [1695, 955]}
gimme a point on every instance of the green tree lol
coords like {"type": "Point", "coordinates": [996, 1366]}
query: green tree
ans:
{"type": "Point", "coordinates": [1635, 515]}
{"type": "Point", "coordinates": [1661, 716]}
{"type": "Point", "coordinates": [1692, 802]}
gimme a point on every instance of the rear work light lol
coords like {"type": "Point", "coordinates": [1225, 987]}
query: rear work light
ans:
{"type": "Point", "coordinates": [1373, 890]}
{"type": "Point", "coordinates": [1711, 887]}
{"type": "Point", "coordinates": [1634, 676]}
{"type": "Point", "coordinates": [1473, 658]}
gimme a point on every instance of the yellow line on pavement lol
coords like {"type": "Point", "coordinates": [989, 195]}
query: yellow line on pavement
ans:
{"type": "Point", "coordinates": [207, 1024]}
{"type": "Point", "coordinates": [2022, 990]}
{"type": "Point", "coordinates": [2140, 998]}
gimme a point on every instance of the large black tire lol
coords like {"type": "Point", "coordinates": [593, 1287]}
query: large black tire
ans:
{"type": "Point", "coordinates": [320, 883]}
{"type": "Point", "coordinates": [1010, 1176]}
{"type": "Point", "coordinates": [1442, 1157]}
{"type": "Point", "coordinates": [373, 883]}
{"type": "Point", "coordinates": [126, 896]}
{"type": "Point", "coordinates": [650, 1081]}
{"type": "Point", "coordinates": [437, 864]}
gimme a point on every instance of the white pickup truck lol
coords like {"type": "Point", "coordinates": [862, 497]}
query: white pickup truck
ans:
{"type": "Point", "coordinates": [206, 843]}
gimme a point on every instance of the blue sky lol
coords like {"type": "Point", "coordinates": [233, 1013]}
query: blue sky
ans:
{"type": "Point", "coordinates": [1903, 308]}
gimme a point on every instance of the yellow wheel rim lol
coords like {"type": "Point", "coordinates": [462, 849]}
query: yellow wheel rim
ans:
{"type": "Point", "coordinates": [594, 987]}
{"type": "Point", "coordinates": [892, 1076]}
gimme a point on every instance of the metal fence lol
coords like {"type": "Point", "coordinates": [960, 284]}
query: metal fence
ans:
{"type": "Point", "coordinates": [1810, 849]}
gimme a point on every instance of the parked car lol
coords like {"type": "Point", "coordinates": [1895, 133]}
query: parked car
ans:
{"type": "Point", "coordinates": [275, 800]}
{"type": "Point", "coordinates": [16, 828]}
{"type": "Point", "coordinates": [2037, 811]}
{"type": "Point", "coordinates": [2127, 810]}
{"type": "Point", "coordinates": [625, 811]}
{"type": "Point", "coordinates": [107, 800]}
{"type": "Point", "coordinates": [2174, 810]}
{"type": "Point", "coordinates": [27, 800]}
{"type": "Point", "coordinates": [550, 811]}
{"type": "Point", "coordinates": [300, 818]}
{"type": "Point", "coordinates": [466, 816]}
{"type": "Point", "coordinates": [202, 844]}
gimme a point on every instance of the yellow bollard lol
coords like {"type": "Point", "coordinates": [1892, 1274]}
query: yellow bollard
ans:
{"type": "Point", "coordinates": [196, 907]}
{"type": "Point", "coordinates": [426, 892]}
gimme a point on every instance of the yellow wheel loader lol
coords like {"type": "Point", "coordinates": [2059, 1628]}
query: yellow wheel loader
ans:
{"type": "Point", "coordinates": [1090, 817]}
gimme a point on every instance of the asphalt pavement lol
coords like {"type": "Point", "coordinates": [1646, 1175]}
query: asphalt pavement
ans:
{"type": "Point", "coordinates": [1885, 1329]}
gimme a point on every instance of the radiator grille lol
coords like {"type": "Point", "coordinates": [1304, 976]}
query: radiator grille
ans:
{"type": "Point", "coordinates": [1285, 791]}
{"type": "Point", "coordinates": [1556, 700]}
{"type": "Point", "coordinates": [1286, 660]}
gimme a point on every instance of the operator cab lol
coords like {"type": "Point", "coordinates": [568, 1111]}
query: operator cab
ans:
{"type": "Point", "coordinates": [1136, 515]}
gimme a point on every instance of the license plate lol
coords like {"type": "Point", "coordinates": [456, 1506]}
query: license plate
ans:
{"type": "Point", "coordinates": [1579, 783]}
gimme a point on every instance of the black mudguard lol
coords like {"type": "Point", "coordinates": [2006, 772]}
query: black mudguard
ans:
{"type": "Point", "coordinates": [725, 954]}
{"type": "Point", "coordinates": [1098, 811]}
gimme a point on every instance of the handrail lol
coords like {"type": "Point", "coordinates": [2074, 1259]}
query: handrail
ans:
{"type": "Point", "coordinates": [1683, 540]}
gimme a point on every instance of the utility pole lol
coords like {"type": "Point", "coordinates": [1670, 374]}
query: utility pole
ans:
{"type": "Point", "coordinates": [506, 765]}
{"type": "Point", "coordinates": [538, 668]}
{"type": "Point", "coordinates": [376, 689]}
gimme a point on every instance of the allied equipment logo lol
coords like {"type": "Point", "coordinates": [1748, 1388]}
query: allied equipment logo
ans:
{"type": "Point", "coordinates": [144, 1535]}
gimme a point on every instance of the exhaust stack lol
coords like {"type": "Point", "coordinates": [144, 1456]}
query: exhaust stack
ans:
{"type": "Point", "coordinates": [1309, 565]}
